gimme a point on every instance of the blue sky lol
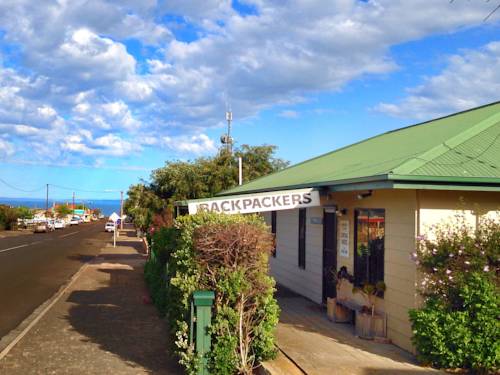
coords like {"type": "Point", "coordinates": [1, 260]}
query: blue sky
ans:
{"type": "Point", "coordinates": [96, 94]}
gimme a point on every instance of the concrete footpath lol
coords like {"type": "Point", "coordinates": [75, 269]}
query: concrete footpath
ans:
{"type": "Point", "coordinates": [100, 324]}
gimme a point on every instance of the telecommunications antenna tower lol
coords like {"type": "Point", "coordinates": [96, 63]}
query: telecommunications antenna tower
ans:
{"type": "Point", "coordinates": [226, 138]}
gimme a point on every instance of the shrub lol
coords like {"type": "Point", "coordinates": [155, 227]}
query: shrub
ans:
{"type": "Point", "coordinates": [161, 242]}
{"type": "Point", "coordinates": [227, 254]}
{"type": "Point", "coordinates": [458, 324]}
{"type": "Point", "coordinates": [8, 217]}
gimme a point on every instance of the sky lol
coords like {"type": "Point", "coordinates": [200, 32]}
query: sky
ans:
{"type": "Point", "coordinates": [96, 94]}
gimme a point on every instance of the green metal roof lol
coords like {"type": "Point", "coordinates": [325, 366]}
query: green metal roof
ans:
{"type": "Point", "coordinates": [460, 148]}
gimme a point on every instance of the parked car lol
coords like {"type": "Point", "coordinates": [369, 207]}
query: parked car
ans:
{"type": "Point", "coordinates": [74, 221]}
{"type": "Point", "coordinates": [51, 224]}
{"type": "Point", "coordinates": [59, 224]}
{"type": "Point", "coordinates": [42, 227]}
{"type": "Point", "coordinates": [109, 227]}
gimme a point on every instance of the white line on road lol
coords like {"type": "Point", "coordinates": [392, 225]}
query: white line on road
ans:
{"type": "Point", "coordinates": [69, 234]}
{"type": "Point", "coordinates": [15, 247]}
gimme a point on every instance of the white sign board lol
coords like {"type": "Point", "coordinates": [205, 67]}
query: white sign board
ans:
{"type": "Point", "coordinates": [343, 238]}
{"type": "Point", "coordinates": [272, 201]}
{"type": "Point", "coordinates": [114, 217]}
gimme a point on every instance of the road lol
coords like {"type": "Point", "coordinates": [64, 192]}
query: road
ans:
{"type": "Point", "coordinates": [34, 266]}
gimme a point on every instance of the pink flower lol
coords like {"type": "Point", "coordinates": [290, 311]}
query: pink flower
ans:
{"type": "Point", "coordinates": [451, 255]}
{"type": "Point", "coordinates": [486, 268]}
{"type": "Point", "coordinates": [448, 272]}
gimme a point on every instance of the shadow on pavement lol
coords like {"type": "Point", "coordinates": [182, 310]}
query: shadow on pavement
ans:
{"type": "Point", "coordinates": [116, 318]}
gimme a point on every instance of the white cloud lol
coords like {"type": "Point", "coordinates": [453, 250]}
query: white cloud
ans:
{"type": "Point", "coordinates": [470, 79]}
{"type": "Point", "coordinates": [197, 144]}
{"type": "Point", "coordinates": [79, 69]}
{"type": "Point", "coordinates": [107, 145]}
{"type": "Point", "coordinates": [6, 149]}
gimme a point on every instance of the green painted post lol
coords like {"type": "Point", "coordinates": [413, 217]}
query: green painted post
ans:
{"type": "Point", "coordinates": [203, 301]}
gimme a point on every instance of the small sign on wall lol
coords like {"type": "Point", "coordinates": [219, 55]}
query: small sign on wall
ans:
{"type": "Point", "coordinates": [343, 238]}
{"type": "Point", "coordinates": [316, 220]}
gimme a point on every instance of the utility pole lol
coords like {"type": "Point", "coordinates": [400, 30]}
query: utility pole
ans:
{"type": "Point", "coordinates": [121, 210]}
{"type": "Point", "coordinates": [73, 203]}
{"type": "Point", "coordinates": [47, 200]}
{"type": "Point", "coordinates": [229, 118]}
{"type": "Point", "coordinates": [240, 170]}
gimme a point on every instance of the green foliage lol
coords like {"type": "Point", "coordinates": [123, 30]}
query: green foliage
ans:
{"type": "Point", "coordinates": [154, 274]}
{"type": "Point", "coordinates": [24, 212]}
{"type": "Point", "coordinates": [227, 254]}
{"type": "Point", "coordinates": [141, 205]}
{"type": "Point", "coordinates": [205, 177]}
{"type": "Point", "coordinates": [8, 217]}
{"type": "Point", "coordinates": [63, 210]}
{"type": "Point", "coordinates": [458, 325]}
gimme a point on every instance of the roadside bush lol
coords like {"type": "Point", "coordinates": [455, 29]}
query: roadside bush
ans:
{"type": "Point", "coordinates": [458, 325]}
{"type": "Point", "coordinates": [8, 217]}
{"type": "Point", "coordinates": [161, 242]}
{"type": "Point", "coordinates": [227, 254]}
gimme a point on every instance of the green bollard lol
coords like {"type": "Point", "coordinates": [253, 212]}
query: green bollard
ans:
{"type": "Point", "coordinates": [203, 301]}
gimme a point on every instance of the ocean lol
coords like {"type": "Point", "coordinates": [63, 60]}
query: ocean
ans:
{"type": "Point", "coordinates": [107, 206]}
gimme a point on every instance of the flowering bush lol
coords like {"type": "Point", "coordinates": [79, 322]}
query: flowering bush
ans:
{"type": "Point", "coordinates": [458, 325]}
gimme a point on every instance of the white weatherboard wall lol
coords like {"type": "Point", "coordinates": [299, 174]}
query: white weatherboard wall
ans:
{"type": "Point", "coordinates": [285, 267]}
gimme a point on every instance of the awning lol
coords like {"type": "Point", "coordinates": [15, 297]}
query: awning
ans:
{"type": "Point", "coordinates": [260, 202]}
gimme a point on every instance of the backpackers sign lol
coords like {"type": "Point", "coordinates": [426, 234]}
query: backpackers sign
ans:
{"type": "Point", "coordinates": [273, 201]}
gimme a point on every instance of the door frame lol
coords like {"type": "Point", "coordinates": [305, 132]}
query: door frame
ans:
{"type": "Point", "coordinates": [329, 210]}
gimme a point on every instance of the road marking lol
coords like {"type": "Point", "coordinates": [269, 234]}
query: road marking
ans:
{"type": "Point", "coordinates": [69, 234]}
{"type": "Point", "coordinates": [15, 247]}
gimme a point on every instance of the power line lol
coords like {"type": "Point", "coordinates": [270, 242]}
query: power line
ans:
{"type": "Point", "coordinates": [84, 190]}
{"type": "Point", "coordinates": [19, 189]}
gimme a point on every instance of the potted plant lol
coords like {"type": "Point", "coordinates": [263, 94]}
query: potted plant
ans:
{"type": "Point", "coordinates": [368, 323]}
{"type": "Point", "coordinates": [335, 311]}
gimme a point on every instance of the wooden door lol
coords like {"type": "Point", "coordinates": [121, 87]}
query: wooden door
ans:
{"type": "Point", "coordinates": [329, 253]}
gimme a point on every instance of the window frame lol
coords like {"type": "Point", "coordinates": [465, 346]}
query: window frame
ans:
{"type": "Point", "coordinates": [376, 274]}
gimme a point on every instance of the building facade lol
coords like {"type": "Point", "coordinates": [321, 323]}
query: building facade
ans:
{"type": "Point", "coordinates": [369, 202]}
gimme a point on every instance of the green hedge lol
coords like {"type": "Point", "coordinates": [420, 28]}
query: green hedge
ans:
{"type": "Point", "coordinates": [458, 325]}
{"type": "Point", "coordinates": [183, 262]}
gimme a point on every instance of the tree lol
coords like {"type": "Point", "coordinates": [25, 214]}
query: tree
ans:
{"type": "Point", "coordinates": [142, 204]}
{"type": "Point", "coordinates": [201, 178]}
{"type": "Point", "coordinates": [8, 217]}
{"type": "Point", "coordinates": [205, 177]}
{"type": "Point", "coordinates": [24, 212]}
{"type": "Point", "coordinates": [63, 210]}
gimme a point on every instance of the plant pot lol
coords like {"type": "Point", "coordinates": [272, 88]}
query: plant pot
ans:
{"type": "Point", "coordinates": [342, 314]}
{"type": "Point", "coordinates": [368, 326]}
{"type": "Point", "coordinates": [330, 307]}
{"type": "Point", "coordinates": [363, 325]}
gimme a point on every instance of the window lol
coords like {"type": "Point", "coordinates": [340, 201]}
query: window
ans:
{"type": "Point", "coordinates": [273, 230]}
{"type": "Point", "coordinates": [302, 238]}
{"type": "Point", "coordinates": [369, 246]}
